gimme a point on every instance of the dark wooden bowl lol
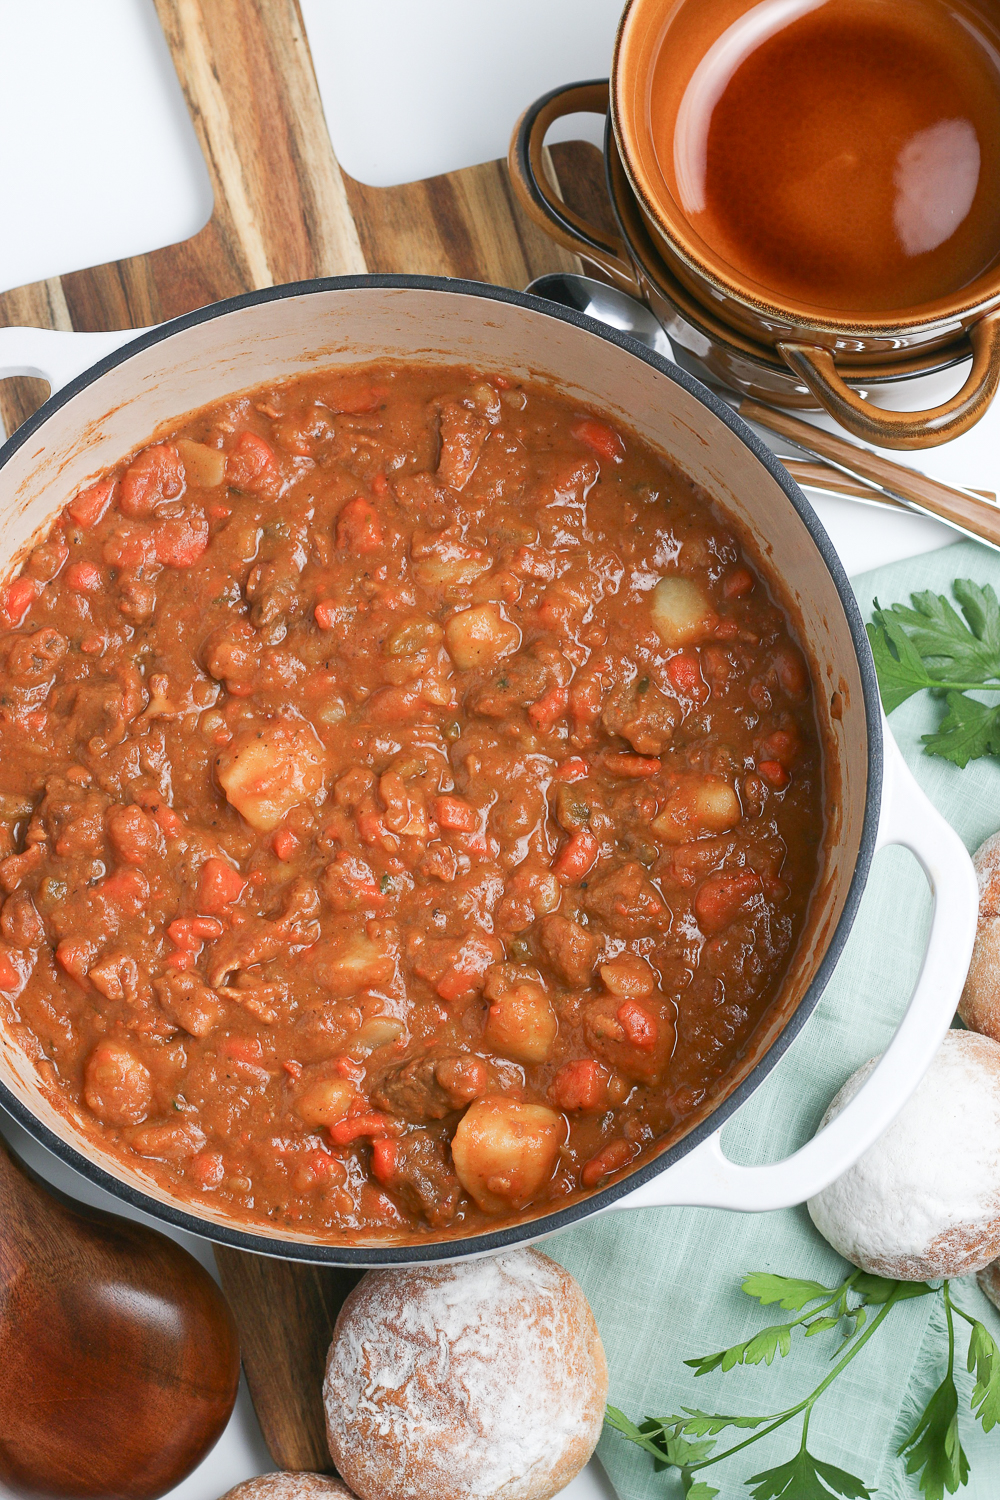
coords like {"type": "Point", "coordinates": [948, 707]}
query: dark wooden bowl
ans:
{"type": "Point", "coordinates": [119, 1359]}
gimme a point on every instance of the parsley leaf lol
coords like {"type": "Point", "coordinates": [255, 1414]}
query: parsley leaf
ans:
{"type": "Point", "coordinates": [806, 1478]}
{"type": "Point", "coordinates": [878, 1289]}
{"type": "Point", "coordinates": [968, 730]}
{"type": "Point", "coordinates": [953, 650]}
{"type": "Point", "coordinates": [900, 671]}
{"type": "Point", "coordinates": [650, 1436]}
{"type": "Point", "coordinates": [984, 1358]}
{"type": "Point", "coordinates": [701, 1491]}
{"type": "Point", "coordinates": [762, 1348]}
{"type": "Point", "coordinates": [934, 1449]}
{"type": "Point", "coordinates": [708, 1424]}
{"type": "Point", "coordinates": [928, 644]}
{"type": "Point", "coordinates": [789, 1293]}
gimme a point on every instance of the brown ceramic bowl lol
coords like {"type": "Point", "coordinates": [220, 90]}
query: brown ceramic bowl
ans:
{"type": "Point", "coordinates": [673, 36]}
{"type": "Point", "coordinates": [731, 356]}
{"type": "Point", "coordinates": [789, 356]}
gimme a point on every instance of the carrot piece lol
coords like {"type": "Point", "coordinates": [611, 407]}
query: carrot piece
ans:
{"type": "Point", "coordinates": [157, 474]}
{"type": "Point", "coordinates": [723, 896]}
{"type": "Point", "coordinates": [611, 1158]}
{"type": "Point", "coordinates": [548, 709]}
{"type": "Point", "coordinates": [374, 1126]}
{"type": "Point", "coordinates": [739, 582]}
{"type": "Point", "coordinates": [83, 577]}
{"type": "Point", "coordinates": [638, 1023]}
{"type": "Point", "coordinates": [603, 439]}
{"type": "Point", "coordinates": [18, 597]}
{"type": "Point", "coordinates": [455, 813]}
{"type": "Point", "coordinates": [774, 773]}
{"type": "Point", "coordinates": [632, 766]}
{"type": "Point", "coordinates": [577, 856]}
{"type": "Point", "coordinates": [180, 541]}
{"type": "Point", "coordinates": [384, 1154]}
{"type": "Point", "coordinates": [218, 887]}
{"type": "Point", "coordinates": [87, 508]}
{"type": "Point", "coordinates": [167, 820]}
{"type": "Point", "coordinates": [285, 844]}
{"type": "Point", "coordinates": [9, 977]}
{"type": "Point", "coordinates": [684, 671]}
{"type": "Point", "coordinates": [580, 1085]}
{"type": "Point", "coordinates": [252, 465]}
{"type": "Point", "coordinates": [574, 769]}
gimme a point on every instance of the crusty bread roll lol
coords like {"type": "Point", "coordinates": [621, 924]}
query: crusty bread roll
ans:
{"type": "Point", "coordinates": [989, 1282]}
{"type": "Point", "coordinates": [924, 1201]}
{"type": "Point", "coordinates": [484, 1380]}
{"type": "Point", "coordinates": [285, 1486]}
{"type": "Point", "coordinates": [979, 1006]}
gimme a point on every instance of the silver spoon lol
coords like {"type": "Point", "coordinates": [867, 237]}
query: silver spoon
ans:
{"type": "Point", "coordinates": [618, 310]}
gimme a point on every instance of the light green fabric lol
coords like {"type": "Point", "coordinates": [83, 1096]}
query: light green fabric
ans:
{"type": "Point", "coordinates": [664, 1283]}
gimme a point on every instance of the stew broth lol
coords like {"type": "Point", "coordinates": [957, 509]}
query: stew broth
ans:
{"type": "Point", "coordinates": [411, 799]}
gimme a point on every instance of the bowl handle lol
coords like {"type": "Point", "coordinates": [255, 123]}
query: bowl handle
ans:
{"type": "Point", "coordinates": [54, 355]}
{"type": "Point", "coordinates": [537, 197]}
{"type": "Point", "coordinates": [904, 429]}
{"type": "Point", "coordinates": [706, 1178]}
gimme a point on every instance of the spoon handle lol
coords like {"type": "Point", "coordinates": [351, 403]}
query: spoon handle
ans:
{"type": "Point", "coordinates": [972, 514]}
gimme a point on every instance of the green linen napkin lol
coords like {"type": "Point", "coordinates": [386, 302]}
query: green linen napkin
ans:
{"type": "Point", "coordinates": [665, 1283]}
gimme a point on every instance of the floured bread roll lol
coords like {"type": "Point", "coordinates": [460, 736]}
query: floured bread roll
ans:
{"type": "Point", "coordinates": [989, 1282]}
{"type": "Point", "coordinates": [979, 1006]}
{"type": "Point", "coordinates": [484, 1380]}
{"type": "Point", "coordinates": [924, 1201]}
{"type": "Point", "coordinates": [287, 1486]}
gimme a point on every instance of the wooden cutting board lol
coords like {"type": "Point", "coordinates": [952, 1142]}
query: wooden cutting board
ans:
{"type": "Point", "coordinates": [284, 211]}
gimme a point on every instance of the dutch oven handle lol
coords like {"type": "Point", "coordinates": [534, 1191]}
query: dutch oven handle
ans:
{"type": "Point", "coordinates": [706, 1178]}
{"type": "Point", "coordinates": [817, 368]}
{"type": "Point", "coordinates": [54, 355]}
{"type": "Point", "coordinates": [537, 197]}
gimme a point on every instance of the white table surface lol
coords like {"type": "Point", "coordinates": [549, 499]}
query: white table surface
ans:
{"type": "Point", "coordinates": [112, 169]}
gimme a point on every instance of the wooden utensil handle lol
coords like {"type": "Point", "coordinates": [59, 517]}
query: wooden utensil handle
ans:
{"type": "Point", "coordinates": [979, 517]}
{"type": "Point", "coordinates": [285, 1313]}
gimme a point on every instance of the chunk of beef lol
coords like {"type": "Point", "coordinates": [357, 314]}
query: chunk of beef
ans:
{"type": "Point", "coordinates": [627, 902]}
{"type": "Point", "coordinates": [463, 436]}
{"type": "Point", "coordinates": [417, 1170]}
{"type": "Point", "coordinates": [518, 681]}
{"type": "Point", "coordinates": [641, 714]}
{"type": "Point", "coordinates": [431, 1086]}
{"type": "Point", "coordinates": [570, 949]}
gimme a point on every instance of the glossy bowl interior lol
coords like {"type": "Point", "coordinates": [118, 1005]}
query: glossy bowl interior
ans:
{"type": "Point", "coordinates": [665, 40]}
{"type": "Point", "coordinates": [729, 353]}
{"type": "Point", "coordinates": [283, 332]}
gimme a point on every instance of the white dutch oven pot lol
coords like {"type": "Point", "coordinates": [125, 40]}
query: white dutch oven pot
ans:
{"type": "Point", "coordinates": [110, 394]}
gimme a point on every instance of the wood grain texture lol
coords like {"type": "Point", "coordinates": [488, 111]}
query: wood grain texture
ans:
{"type": "Point", "coordinates": [284, 211]}
{"type": "Point", "coordinates": [120, 1362]}
{"type": "Point", "coordinates": [285, 1313]}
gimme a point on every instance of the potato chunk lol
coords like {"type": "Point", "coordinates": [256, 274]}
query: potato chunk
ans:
{"type": "Point", "coordinates": [708, 804]}
{"type": "Point", "coordinates": [117, 1085]}
{"type": "Point", "coordinates": [353, 962]}
{"type": "Point", "coordinates": [325, 1102]}
{"type": "Point", "coordinates": [266, 772]}
{"type": "Point", "coordinates": [681, 609]}
{"type": "Point", "coordinates": [522, 1024]}
{"type": "Point", "coordinates": [480, 636]}
{"type": "Point", "coordinates": [504, 1152]}
{"type": "Point", "coordinates": [203, 466]}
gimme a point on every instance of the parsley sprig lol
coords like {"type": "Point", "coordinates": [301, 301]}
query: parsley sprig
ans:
{"type": "Point", "coordinates": [931, 646]}
{"type": "Point", "coordinates": [933, 1450]}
